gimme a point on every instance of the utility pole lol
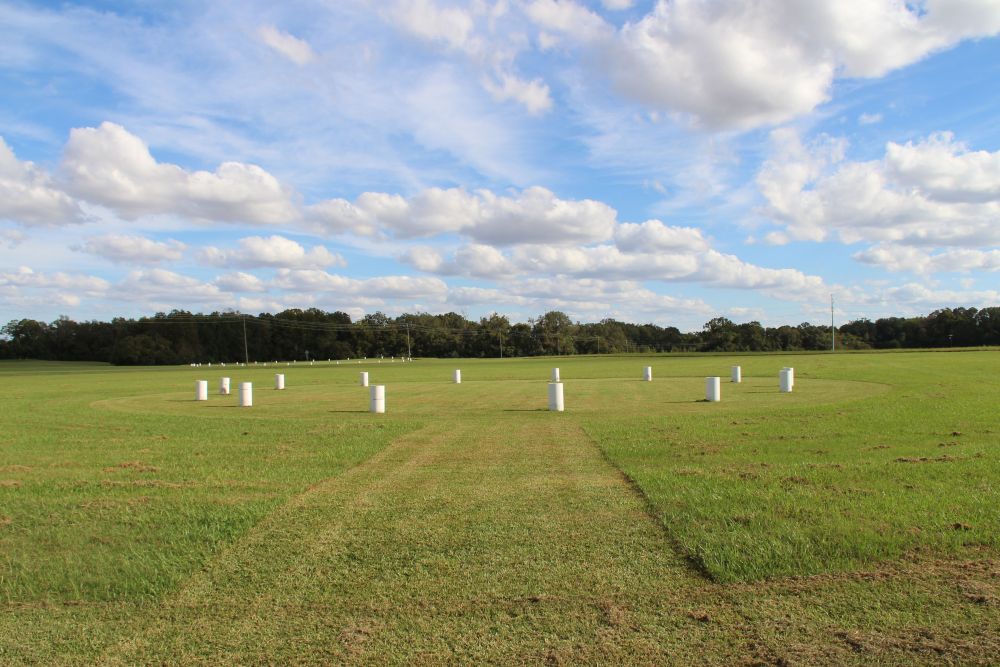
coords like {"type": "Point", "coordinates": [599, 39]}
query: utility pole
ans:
{"type": "Point", "coordinates": [501, 343]}
{"type": "Point", "coordinates": [246, 353]}
{"type": "Point", "coordinates": [833, 331]}
{"type": "Point", "coordinates": [408, 353]}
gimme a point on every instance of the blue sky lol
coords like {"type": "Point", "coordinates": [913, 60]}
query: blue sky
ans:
{"type": "Point", "coordinates": [644, 160]}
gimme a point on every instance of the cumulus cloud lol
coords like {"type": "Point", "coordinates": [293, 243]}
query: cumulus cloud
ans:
{"type": "Point", "coordinates": [240, 282]}
{"type": "Point", "coordinates": [918, 260]}
{"type": "Point", "coordinates": [28, 195]}
{"type": "Point", "coordinates": [654, 236]}
{"type": "Point", "coordinates": [24, 276]}
{"type": "Point", "coordinates": [534, 215]}
{"type": "Point", "coordinates": [474, 260]}
{"type": "Point", "coordinates": [383, 287]}
{"type": "Point", "coordinates": [272, 251]}
{"type": "Point", "coordinates": [126, 248]}
{"type": "Point", "coordinates": [114, 168]}
{"type": "Point", "coordinates": [933, 192]}
{"type": "Point", "coordinates": [743, 65]}
{"type": "Point", "coordinates": [291, 47]}
{"type": "Point", "coordinates": [160, 286]}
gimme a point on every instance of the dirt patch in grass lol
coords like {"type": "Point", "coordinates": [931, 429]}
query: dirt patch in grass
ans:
{"type": "Point", "coordinates": [928, 459]}
{"type": "Point", "coordinates": [10, 483]}
{"type": "Point", "coordinates": [137, 466]}
{"type": "Point", "coordinates": [15, 468]}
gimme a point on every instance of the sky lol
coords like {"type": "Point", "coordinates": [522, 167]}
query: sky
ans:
{"type": "Point", "coordinates": [643, 160]}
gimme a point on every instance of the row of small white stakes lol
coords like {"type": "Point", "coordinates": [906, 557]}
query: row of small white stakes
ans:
{"type": "Point", "coordinates": [713, 387]}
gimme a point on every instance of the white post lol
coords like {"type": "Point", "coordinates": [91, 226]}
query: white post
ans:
{"type": "Point", "coordinates": [224, 386]}
{"type": "Point", "coordinates": [737, 374]}
{"type": "Point", "coordinates": [246, 394]}
{"type": "Point", "coordinates": [556, 402]}
{"type": "Point", "coordinates": [786, 380]}
{"type": "Point", "coordinates": [377, 396]}
{"type": "Point", "coordinates": [201, 390]}
{"type": "Point", "coordinates": [713, 389]}
{"type": "Point", "coordinates": [363, 378]}
{"type": "Point", "coordinates": [458, 376]}
{"type": "Point", "coordinates": [555, 375]}
{"type": "Point", "coordinates": [279, 380]}
{"type": "Point", "coordinates": [647, 374]}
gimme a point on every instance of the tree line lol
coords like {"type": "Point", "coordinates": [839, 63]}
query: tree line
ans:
{"type": "Point", "coordinates": [181, 337]}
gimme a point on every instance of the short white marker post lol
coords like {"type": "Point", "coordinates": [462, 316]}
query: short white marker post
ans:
{"type": "Point", "coordinates": [224, 386]}
{"type": "Point", "coordinates": [555, 375]}
{"type": "Point", "coordinates": [556, 402]}
{"type": "Point", "coordinates": [201, 390]}
{"type": "Point", "coordinates": [377, 395]}
{"type": "Point", "coordinates": [737, 374]}
{"type": "Point", "coordinates": [279, 380]}
{"type": "Point", "coordinates": [246, 394]}
{"type": "Point", "coordinates": [713, 389]}
{"type": "Point", "coordinates": [647, 374]}
{"type": "Point", "coordinates": [458, 376]}
{"type": "Point", "coordinates": [363, 378]}
{"type": "Point", "coordinates": [786, 380]}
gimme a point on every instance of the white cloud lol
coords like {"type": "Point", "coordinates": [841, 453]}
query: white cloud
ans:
{"type": "Point", "coordinates": [293, 48]}
{"type": "Point", "coordinates": [160, 288]}
{"type": "Point", "coordinates": [113, 168]}
{"type": "Point", "coordinates": [654, 236]}
{"type": "Point", "coordinates": [617, 5]}
{"type": "Point", "coordinates": [24, 276]}
{"type": "Point", "coordinates": [272, 251]}
{"type": "Point", "coordinates": [869, 118]}
{"type": "Point", "coordinates": [919, 260]}
{"type": "Point", "coordinates": [930, 193]}
{"type": "Point", "coordinates": [474, 260]}
{"type": "Point", "coordinates": [383, 287]}
{"type": "Point", "coordinates": [744, 65]}
{"type": "Point", "coordinates": [450, 26]}
{"type": "Point", "coordinates": [945, 170]}
{"type": "Point", "coordinates": [28, 195]}
{"type": "Point", "coordinates": [132, 249]}
{"type": "Point", "coordinates": [533, 95]}
{"type": "Point", "coordinates": [240, 282]}
{"type": "Point", "coordinates": [568, 18]}
{"type": "Point", "coordinates": [12, 237]}
{"type": "Point", "coordinates": [534, 215]}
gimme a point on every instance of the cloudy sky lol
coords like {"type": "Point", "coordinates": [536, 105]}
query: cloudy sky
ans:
{"type": "Point", "coordinates": [648, 160]}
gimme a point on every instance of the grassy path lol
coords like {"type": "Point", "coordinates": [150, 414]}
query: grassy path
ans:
{"type": "Point", "coordinates": [508, 541]}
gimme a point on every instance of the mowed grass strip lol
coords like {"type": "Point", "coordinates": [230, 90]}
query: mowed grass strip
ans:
{"type": "Point", "coordinates": [765, 485]}
{"type": "Point", "coordinates": [505, 540]}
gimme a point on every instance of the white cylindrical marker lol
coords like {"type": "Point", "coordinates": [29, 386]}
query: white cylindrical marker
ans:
{"type": "Point", "coordinates": [458, 376]}
{"type": "Point", "coordinates": [555, 375]}
{"type": "Point", "coordinates": [201, 390]}
{"type": "Point", "coordinates": [556, 402]}
{"type": "Point", "coordinates": [786, 380]}
{"type": "Point", "coordinates": [224, 386]}
{"type": "Point", "coordinates": [363, 378]}
{"type": "Point", "coordinates": [737, 374]}
{"type": "Point", "coordinates": [246, 394]}
{"type": "Point", "coordinates": [279, 380]}
{"type": "Point", "coordinates": [713, 389]}
{"type": "Point", "coordinates": [377, 396]}
{"type": "Point", "coordinates": [647, 374]}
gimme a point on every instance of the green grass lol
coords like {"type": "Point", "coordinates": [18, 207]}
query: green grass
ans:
{"type": "Point", "coordinates": [853, 521]}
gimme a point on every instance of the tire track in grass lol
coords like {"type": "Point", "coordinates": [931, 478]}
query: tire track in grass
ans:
{"type": "Point", "coordinates": [507, 540]}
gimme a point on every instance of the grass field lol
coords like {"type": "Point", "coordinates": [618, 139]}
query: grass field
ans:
{"type": "Point", "coordinates": [854, 521]}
